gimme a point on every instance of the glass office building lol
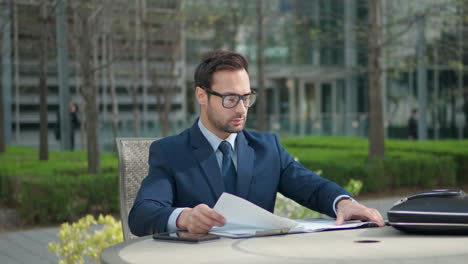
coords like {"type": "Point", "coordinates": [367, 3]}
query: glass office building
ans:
{"type": "Point", "coordinates": [315, 52]}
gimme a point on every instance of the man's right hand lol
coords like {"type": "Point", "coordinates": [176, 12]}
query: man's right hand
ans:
{"type": "Point", "coordinates": [199, 219]}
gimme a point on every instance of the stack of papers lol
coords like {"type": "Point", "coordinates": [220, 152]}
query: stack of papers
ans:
{"type": "Point", "coordinates": [245, 219]}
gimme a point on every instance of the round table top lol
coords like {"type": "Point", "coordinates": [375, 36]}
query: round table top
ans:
{"type": "Point", "coordinates": [385, 245]}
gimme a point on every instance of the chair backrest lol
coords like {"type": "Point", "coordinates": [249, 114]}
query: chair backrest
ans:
{"type": "Point", "coordinates": [133, 165]}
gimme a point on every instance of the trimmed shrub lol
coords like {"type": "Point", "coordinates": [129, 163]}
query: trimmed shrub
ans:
{"type": "Point", "coordinates": [341, 162]}
{"type": "Point", "coordinates": [457, 150]}
{"type": "Point", "coordinates": [61, 198]}
{"type": "Point", "coordinates": [59, 189]}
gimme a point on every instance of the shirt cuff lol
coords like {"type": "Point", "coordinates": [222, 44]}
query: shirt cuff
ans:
{"type": "Point", "coordinates": [337, 199]}
{"type": "Point", "coordinates": [172, 222]}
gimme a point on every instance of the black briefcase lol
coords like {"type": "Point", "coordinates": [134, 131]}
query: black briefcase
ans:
{"type": "Point", "coordinates": [431, 212]}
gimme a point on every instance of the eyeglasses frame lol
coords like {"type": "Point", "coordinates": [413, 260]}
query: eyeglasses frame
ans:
{"type": "Point", "coordinates": [239, 97]}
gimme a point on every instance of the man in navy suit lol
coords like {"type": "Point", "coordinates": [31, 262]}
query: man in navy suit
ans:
{"type": "Point", "coordinates": [189, 172]}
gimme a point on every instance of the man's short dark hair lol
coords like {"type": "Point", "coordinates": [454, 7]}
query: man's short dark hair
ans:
{"type": "Point", "coordinates": [216, 61]}
{"type": "Point", "coordinates": [414, 111]}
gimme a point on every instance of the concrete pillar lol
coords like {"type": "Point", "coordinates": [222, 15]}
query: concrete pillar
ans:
{"type": "Point", "coordinates": [302, 107]}
{"type": "Point", "coordinates": [104, 80]}
{"type": "Point", "coordinates": [6, 74]}
{"type": "Point", "coordinates": [63, 73]}
{"type": "Point", "coordinates": [196, 105]}
{"type": "Point", "coordinates": [351, 114]}
{"type": "Point", "coordinates": [460, 118]}
{"type": "Point", "coordinates": [275, 120]}
{"type": "Point", "coordinates": [350, 65]}
{"type": "Point", "coordinates": [183, 74]}
{"type": "Point", "coordinates": [316, 50]}
{"type": "Point", "coordinates": [341, 107]}
{"type": "Point", "coordinates": [422, 79]}
{"type": "Point", "coordinates": [334, 113]}
{"type": "Point", "coordinates": [383, 75]}
{"type": "Point", "coordinates": [144, 69]}
{"type": "Point", "coordinates": [318, 108]}
{"type": "Point", "coordinates": [436, 96]}
{"type": "Point", "coordinates": [291, 85]}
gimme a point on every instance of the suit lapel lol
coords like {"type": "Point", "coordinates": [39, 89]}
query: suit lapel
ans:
{"type": "Point", "coordinates": [207, 160]}
{"type": "Point", "coordinates": [245, 164]}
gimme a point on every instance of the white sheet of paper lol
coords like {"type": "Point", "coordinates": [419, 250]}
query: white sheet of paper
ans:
{"type": "Point", "coordinates": [244, 219]}
{"type": "Point", "coordinates": [238, 211]}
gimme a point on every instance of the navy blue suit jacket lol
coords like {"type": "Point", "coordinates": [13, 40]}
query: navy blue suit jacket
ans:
{"type": "Point", "coordinates": [184, 172]}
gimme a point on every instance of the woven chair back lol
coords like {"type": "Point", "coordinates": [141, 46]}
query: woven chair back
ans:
{"type": "Point", "coordinates": [133, 166]}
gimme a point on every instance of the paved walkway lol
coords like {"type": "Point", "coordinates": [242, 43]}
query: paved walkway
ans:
{"type": "Point", "coordinates": [31, 246]}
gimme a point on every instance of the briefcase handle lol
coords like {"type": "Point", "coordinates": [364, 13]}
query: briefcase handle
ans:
{"type": "Point", "coordinates": [433, 193]}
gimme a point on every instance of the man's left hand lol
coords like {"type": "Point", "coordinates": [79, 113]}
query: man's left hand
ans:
{"type": "Point", "coordinates": [349, 209]}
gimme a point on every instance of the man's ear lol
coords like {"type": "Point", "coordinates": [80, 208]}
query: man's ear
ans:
{"type": "Point", "coordinates": [201, 96]}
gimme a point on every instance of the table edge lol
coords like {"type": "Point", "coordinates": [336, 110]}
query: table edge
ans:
{"type": "Point", "coordinates": [110, 255]}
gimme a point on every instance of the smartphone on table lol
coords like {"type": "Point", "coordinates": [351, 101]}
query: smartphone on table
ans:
{"type": "Point", "coordinates": [184, 236]}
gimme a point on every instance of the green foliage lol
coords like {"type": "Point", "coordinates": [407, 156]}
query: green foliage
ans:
{"type": "Point", "coordinates": [86, 238]}
{"type": "Point", "coordinates": [354, 187]}
{"type": "Point", "coordinates": [289, 208]}
{"type": "Point", "coordinates": [59, 189]}
{"type": "Point", "coordinates": [427, 164]}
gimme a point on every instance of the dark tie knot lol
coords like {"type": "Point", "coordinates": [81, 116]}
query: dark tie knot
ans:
{"type": "Point", "coordinates": [225, 147]}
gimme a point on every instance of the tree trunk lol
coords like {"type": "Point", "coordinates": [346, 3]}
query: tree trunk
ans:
{"type": "Point", "coordinates": [461, 95]}
{"type": "Point", "coordinates": [78, 84]}
{"type": "Point", "coordinates": [16, 63]}
{"type": "Point", "coordinates": [2, 123]}
{"type": "Point", "coordinates": [94, 67]}
{"type": "Point", "coordinates": [62, 32]}
{"type": "Point", "coordinates": [104, 82]}
{"type": "Point", "coordinates": [43, 130]}
{"type": "Point", "coordinates": [261, 110]}
{"type": "Point", "coordinates": [376, 131]}
{"type": "Point", "coordinates": [163, 102]}
{"type": "Point", "coordinates": [3, 89]}
{"type": "Point", "coordinates": [144, 65]}
{"type": "Point", "coordinates": [436, 120]}
{"type": "Point", "coordinates": [171, 54]}
{"type": "Point", "coordinates": [85, 36]}
{"type": "Point", "coordinates": [115, 106]}
{"type": "Point", "coordinates": [134, 86]}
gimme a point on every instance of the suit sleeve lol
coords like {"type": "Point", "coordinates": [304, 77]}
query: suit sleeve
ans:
{"type": "Point", "coordinates": [153, 203]}
{"type": "Point", "coordinates": [306, 187]}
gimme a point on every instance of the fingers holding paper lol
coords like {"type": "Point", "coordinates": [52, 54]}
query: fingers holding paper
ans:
{"type": "Point", "coordinates": [199, 219]}
{"type": "Point", "coordinates": [349, 209]}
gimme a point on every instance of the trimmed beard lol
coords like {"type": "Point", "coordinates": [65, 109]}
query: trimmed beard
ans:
{"type": "Point", "coordinates": [224, 127]}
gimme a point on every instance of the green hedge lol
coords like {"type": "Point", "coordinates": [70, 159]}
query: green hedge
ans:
{"type": "Point", "coordinates": [407, 163]}
{"type": "Point", "coordinates": [59, 189]}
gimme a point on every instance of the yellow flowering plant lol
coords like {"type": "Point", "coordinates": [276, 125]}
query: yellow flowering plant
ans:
{"type": "Point", "coordinates": [86, 238]}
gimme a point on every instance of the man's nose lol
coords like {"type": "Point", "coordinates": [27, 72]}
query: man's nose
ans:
{"type": "Point", "coordinates": [240, 107]}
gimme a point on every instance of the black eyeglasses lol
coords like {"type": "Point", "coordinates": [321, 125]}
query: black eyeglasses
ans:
{"type": "Point", "coordinates": [232, 100]}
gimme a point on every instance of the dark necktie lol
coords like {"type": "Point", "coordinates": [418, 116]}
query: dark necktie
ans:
{"type": "Point", "coordinates": [228, 170]}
